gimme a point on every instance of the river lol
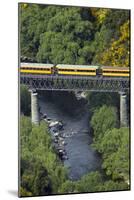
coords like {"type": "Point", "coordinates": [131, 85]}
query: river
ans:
{"type": "Point", "coordinates": [82, 159]}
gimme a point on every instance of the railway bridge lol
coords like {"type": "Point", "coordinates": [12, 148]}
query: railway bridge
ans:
{"type": "Point", "coordinates": [77, 83]}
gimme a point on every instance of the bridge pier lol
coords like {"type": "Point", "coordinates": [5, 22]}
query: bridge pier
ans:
{"type": "Point", "coordinates": [123, 109]}
{"type": "Point", "coordinates": [34, 108]}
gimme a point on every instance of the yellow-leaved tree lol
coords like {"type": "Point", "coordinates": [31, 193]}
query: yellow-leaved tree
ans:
{"type": "Point", "coordinates": [118, 52]}
{"type": "Point", "coordinates": [100, 14]}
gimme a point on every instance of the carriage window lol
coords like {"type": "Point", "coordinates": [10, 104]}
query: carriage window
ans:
{"type": "Point", "coordinates": [122, 72]}
{"type": "Point", "coordinates": [86, 70]}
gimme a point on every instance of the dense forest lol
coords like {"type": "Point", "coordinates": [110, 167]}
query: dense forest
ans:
{"type": "Point", "coordinates": [73, 35]}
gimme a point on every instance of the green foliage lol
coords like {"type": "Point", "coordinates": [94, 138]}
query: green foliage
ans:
{"type": "Point", "coordinates": [97, 99]}
{"type": "Point", "coordinates": [25, 100]}
{"type": "Point", "coordinates": [71, 35]}
{"type": "Point", "coordinates": [103, 119]}
{"type": "Point", "coordinates": [42, 182]}
{"type": "Point", "coordinates": [24, 193]}
{"type": "Point", "coordinates": [113, 186]}
{"type": "Point", "coordinates": [54, 34]}
{"type": "Point", "coordinates": [110, 48]}
{"type": "Point", "coordinates": [113, 144]}
{"type": "Point", "coordinates": [68, 187]}
{"type": "Point", "coordinates": [41, 171]}
{"type": "Point", "coordinates": [92, 182]}
{"type": "Point", "coordinates": [118, 53]}
{"type": "Point", "coordinates": [110, 142]}
{"type": "Point", "coordinates": [65, 37]}
{"type": "Point", "coordinates": [89, 182]}
{"type": "Point", "coordinates": [115, 149]}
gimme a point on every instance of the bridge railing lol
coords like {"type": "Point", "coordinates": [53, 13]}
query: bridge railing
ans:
{"type": "Point", "coordinates": [55, 82]}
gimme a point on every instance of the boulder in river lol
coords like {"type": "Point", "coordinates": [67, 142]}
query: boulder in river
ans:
{"type": "Point", "coordinates": [56, 134]}
{"type": "Point", "coordinates": [53, 124]}
{"type": "Point", "coordinates": [64, 157]}
{"type": "Point", "coordinates": [56, 124]}
{"type": "Point", "coordinates": [44, 116]}
{"type": "Point", "coordinates": [55, 140]}
{"type": "Point", "coordinates": [49, 119]}
{"type": "Point", "coordinates": [62, 154]}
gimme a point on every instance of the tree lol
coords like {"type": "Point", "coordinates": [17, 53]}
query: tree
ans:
{"type": "Point", "coordinates": [110, 48]}
{"type": "Point", "coordinates": [104, 118]}
{"type": "Point", "coordinates": [25, 100]}
{"type": "Point", "coordinates": [54, 34]}
{"type": "Point", "coordinates": [111, 185]}
{"type": "Point", "coordinates": [42, 183]}
{"type": "Point", "coordinates": [118, 53]}
{"type": "Point", "coordinates": [89, 182]}
{"type": "Point", "coordinates": [67, 187]}
{"type": "Point", "coordinates": [98, 99]}
{"type": "Point", "coordinates": [115, 150]}
{"type": "Point", "coordinates": [24, 193]}
{"type": "Point", "coordinates": [41, 170]}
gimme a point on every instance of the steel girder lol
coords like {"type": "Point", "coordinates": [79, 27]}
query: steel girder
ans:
{"type": "Point", "coordinates": [81, 83]}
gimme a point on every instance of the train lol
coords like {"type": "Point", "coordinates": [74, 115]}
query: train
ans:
{"type": "Point", "coordinates": [73, 70]}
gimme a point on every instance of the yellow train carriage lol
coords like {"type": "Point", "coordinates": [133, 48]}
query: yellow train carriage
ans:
{"type": "Point", "coordinates": [36, 68]}
{"type": "Point", "coordinates": [116, 71]}
{"type": "Point", "coordinates": [76, 70]}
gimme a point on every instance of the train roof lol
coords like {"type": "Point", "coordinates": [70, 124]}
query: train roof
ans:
{"type": "Point", "coordinates": [76, 66]}
{"type": "Point", "coordinates": [39, 65]}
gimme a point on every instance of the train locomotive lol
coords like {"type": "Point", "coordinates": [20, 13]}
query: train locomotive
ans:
{"type": "Point", "coordinates": [73, 70]}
